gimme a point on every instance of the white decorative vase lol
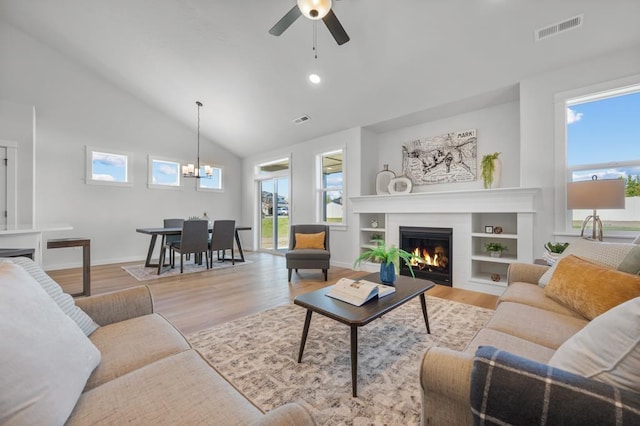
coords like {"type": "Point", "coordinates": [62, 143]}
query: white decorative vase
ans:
{"type": "Point", "coordinates": [495, 253]}
{"type": "Point", "coordinates": [400, 185]}
{"type": "Point", "coordinates": [382, 180]}
{"type": "Point", "coordinates": [497, 173]}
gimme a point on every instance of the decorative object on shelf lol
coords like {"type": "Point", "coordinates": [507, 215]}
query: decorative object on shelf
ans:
{"type": "Point", "coordinates": [553, 252]}
{"type": "Point", "coordinates": [376, 237]}
{"type": "Point", "coordinates": [374, 223]}
{"type": "Point", "coordinates": [491, 170]}
{"type": "Point", "coordinates": [596, 194]}
{"type": "Point", "coordinates": [400, 185]}
{"type": "Point", "coordinates": [497, 229]}
{"type": "Point", "coordinates": [495, 277]}
{"type": "Point", "coordinates": [441, 159]}
{"type": "Point", "coordinates": [488, 229]}
{"type": "Point", "coordinates": [383, 178]}
{"type": "Point", "coordinates": [496, 249]}
{"type": "Point", "coordinates": [193, 171]}
{"type": "Point", "coordinates": [388, 257]}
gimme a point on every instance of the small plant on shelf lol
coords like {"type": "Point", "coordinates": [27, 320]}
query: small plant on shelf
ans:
{"type": "Point", "coordinates": [496, 249]}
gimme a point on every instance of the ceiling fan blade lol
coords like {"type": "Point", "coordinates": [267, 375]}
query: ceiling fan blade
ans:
{"type": "Point", "coordinates": [335, 28]}
{"type": "Point", "coordinates": [286, 21]}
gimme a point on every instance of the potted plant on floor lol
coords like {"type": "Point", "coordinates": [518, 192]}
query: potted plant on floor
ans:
{"type": "Point", "coordinates": [389, 260]}
{"type": "Point", "coordinates": [496, 249]}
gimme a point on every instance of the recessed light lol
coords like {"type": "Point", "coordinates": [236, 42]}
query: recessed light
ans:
{"type": "Point", "coordinates": [314, 78]}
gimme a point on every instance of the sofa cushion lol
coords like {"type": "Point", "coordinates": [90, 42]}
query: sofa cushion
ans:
{"type": "Point", "coordinates": [533, 295]}
{"type": "Point", "coordinates": [510, 343]}
{"type": "Point", "coordinates": [134, 343]}
{"type": "Point", "coordinates": [590, 289]}
{"type": "Point", "coordinates": [608, 349]}
{"type": "Point", "coordinates": [309, 241]}
{"type": "Point", "coordinates": [181, 389]}
{"type": "Point", "coordinates": [536, 325]}
{"type": "Point", "coordinates": [65, 301]}
{"type": "Point", "coordinates": [624, 257]}
{"type": "Point", "coordinates": [45, 359]}
{"type": "Point", "coordinates": [308, 254]}
{"type": "Point", "coordinates": [508, 389]}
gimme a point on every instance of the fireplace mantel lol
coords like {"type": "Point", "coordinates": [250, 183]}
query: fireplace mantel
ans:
{"type": "Point", "coordinates": [515, 200]}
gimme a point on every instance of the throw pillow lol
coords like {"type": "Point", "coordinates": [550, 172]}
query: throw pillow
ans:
{"type": "Point", "coordinates": [45, 359]}
{"type": "Point", "coordinates": [590, 289]}
{"type": "Point", "coordinates": [65, 301]}
{"type": "Point", "coordinates": [607, 349]}
{"type": "Point", "coordinates": [620, 256]}
{"type": "Point", "coordinates": [310, 241]}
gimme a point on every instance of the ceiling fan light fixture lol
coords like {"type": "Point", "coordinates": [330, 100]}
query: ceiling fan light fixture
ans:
{"type": "Point", "coordinates": [314, 9]}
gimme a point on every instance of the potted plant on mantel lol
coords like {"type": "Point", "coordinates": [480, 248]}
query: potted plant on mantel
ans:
{"type": "Point", "coordinates": [388, 258]}
{"type": "Point", "coordinates": [491, 169]}
{"type": "Point", "coordinates": [496, 249]}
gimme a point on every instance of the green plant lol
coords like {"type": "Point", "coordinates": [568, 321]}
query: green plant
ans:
{"type": "Point", "coordinates": [556, 248]}
{"type": "Point", "coordinates": [496, 247]}
{"type": "Point", "coordinates": [381, 253]}
{"type": "Point", "coordinates": [194, 218]}
{"type": "Point", "coordinates": [488, 168]}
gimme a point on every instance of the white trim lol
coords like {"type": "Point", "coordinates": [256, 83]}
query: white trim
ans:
{"type": "Point", "coordinates": [89, 167]}
{"type": "Point", "coordinates": [12, 182]}
{"type": "Point", "coordinates": [151, 185]}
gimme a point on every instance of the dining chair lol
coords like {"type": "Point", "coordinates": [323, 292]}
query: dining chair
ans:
{"type": "Point", "coordinates": [194, 239]}
{"type": "Point", "coordinates": [172, 223]}
{"type": "Point", "coordinates": [222, 239]}
{"type": "Point", "coordinates": [308, 248]}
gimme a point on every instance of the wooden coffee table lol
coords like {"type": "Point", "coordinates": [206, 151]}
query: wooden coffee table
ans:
{"type": "Point", "coordinates": [357, 316]}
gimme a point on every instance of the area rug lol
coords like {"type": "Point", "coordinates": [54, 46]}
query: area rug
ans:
{"type": "Point", "coordinates": [142, 273]}
{"type": "Point", "coordinates": [258, 354]}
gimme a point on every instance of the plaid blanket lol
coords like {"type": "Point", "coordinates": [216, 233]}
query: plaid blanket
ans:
{"type": "Point", "coordinates": [510, 390]}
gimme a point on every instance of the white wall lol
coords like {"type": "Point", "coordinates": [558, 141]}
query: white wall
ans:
{"type": "Point", "coordinates": [75, 107]}
{"type": "Point", "coordinates": [497, 129]}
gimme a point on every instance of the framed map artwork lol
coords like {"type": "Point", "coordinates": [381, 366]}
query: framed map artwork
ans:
{"type": "Point", "coordinates": [451, 157]}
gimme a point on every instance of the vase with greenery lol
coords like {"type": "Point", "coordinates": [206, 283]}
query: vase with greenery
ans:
{"type": "Point", "coordinates": [388, 258]}
{"type": "Point", "coordinates": [553, 251]}
{"type": "Point", "coordinates": [488, 165]}
{"type": "Point", "coordinates": [496, 249]}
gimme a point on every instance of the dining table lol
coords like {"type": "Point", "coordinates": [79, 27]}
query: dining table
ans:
{"type": "Point", "coordinates": [163, 232]}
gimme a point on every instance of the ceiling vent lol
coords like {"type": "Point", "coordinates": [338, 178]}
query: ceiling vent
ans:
{"type": "Point", "coordinates": [559, 27]}
{"type": "Point", "coordinates": [301, 119]}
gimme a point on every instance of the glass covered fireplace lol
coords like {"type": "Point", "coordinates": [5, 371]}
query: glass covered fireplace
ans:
{"type": "Point", "coordinates": [433, 246]}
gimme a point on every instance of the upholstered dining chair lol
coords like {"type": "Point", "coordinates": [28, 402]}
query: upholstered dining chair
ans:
{"type": "Point", "coordinates": [222, 239]}
{"type": "Point", "coordinates": [172, 223]}
{"type": "Point", "coordinates": [308, 248]}
{"type": "Point", "coordinates": [194, 239]}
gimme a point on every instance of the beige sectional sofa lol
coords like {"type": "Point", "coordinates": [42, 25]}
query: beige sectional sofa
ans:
{"type": "Point", "coordinates": [148, 373]}
{"type": "Point", "coordinates": [526, 323]}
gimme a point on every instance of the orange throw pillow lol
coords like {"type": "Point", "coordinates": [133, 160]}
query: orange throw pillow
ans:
{"type": "Point", "coordinates": [310, 241]}
{"type": "Point", "coordinates": [590, 289]}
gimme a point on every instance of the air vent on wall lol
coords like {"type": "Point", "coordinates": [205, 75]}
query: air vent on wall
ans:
{"type": "Point", "coordinates": [301, 119]}
{"type": "Point", "coordinates": [559, 27]}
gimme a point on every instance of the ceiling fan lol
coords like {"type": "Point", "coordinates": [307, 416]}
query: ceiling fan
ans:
{"type": "Point", "coordinates": [314, 10]}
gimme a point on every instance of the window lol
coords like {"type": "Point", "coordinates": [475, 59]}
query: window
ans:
{"type": "Point", "coordinates": [108, 167]}
{"type": "Point", "coordinates": [214, 183]}
{"type": "Point", "coordinates": [331, 187]}
{"type": "Point", "coordinates": [164, 174]}
{"type": "Point", "coordinates": [602, 140]}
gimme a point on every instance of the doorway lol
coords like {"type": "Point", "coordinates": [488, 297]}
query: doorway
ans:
{"type": "Point", "coordinates": [273, 205]}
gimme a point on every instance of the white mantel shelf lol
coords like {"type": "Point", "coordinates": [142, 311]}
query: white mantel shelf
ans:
{"type": "Point", "coordinates": [515, 200]}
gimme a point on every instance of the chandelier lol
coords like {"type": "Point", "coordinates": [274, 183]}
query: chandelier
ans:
{"type": "Point", "coordinates": [193, 171]}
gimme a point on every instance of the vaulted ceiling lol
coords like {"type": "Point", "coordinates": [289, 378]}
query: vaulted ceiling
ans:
{"type": "Point", "coordinates": [404, 56]}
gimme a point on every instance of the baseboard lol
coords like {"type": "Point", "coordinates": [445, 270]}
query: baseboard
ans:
{"type": "Point", "coordinates": [58, 266]}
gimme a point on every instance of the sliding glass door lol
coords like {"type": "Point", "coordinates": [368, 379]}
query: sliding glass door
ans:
{"type": "Point", "coordinates": [274, 207]}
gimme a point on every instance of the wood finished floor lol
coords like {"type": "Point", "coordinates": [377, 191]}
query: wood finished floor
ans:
{"type": "Point", "coordinates": [197, 301]}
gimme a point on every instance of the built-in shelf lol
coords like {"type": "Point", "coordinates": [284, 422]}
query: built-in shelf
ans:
{"type": "Point", "coordinates": [495, 236]}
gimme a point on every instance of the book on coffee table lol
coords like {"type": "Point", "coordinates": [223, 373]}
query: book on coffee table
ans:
{"type": "Point", "coordinates": [358, 292]}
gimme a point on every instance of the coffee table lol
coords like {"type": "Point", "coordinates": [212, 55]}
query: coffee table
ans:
{"type": "Point", "coordinates": [357, 316]}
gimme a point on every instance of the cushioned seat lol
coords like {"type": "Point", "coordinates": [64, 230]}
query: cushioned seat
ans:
{"type": "Point", "coordinates": [509, 343]}
{"type": "Point", "coordinates": [551, 329]}
{"type": "Point", "coordinates": [308, 254]}
{"type": "Point", "coordinates": [141, 341]}
{"type": "Point", "coordinates": [308, 248]}
{"type": "Point", "coordinates": [181, 389]}
{"type": "Point", "coordinates": [533, 295]}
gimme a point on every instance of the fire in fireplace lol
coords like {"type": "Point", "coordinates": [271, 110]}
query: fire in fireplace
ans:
{"type": "Point", "coordinates": [433, 248]}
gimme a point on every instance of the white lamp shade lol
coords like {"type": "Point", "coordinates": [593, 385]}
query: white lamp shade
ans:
{"type": "Point", "coordinates": [314, 9]}
{"type": "Point", "coordinates": [596, 194]}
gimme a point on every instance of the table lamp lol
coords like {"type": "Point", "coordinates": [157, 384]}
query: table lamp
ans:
{"type": "Point", "coordinates": [596, 194]}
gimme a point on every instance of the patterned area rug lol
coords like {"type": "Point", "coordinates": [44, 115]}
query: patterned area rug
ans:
{"type": "Point", "coordinates": [142, 273]}
{"type": "Point", "coordinates": [258, 355]}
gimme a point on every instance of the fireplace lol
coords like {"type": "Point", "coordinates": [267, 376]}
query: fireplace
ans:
{"type": "Point", "coordinates": [434, 247]}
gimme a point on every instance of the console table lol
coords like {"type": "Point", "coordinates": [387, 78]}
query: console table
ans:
{"type": "Point", "coordinates": [85, 243]}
